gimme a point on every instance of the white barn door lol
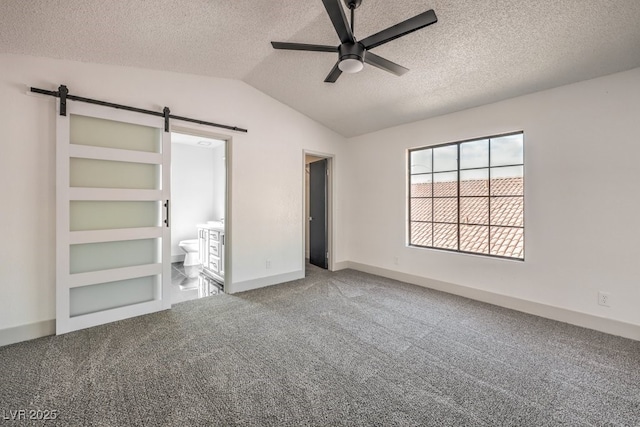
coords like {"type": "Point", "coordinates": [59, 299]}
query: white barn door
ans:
{"type": "Point", "coordinates": [112, 226]}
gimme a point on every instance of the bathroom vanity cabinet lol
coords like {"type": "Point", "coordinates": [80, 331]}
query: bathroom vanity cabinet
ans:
{"type": "Point", "coordinates": [211, 251]}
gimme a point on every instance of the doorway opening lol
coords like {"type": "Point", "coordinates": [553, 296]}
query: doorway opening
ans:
{"type": "Point", "coordinates": [198, 210]}
{"type": "Point", "coordinates": [317, 214]}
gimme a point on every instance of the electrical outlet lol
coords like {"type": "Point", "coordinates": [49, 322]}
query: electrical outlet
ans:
{"type": "Point", "coordinates": [604, 299]}
{"type": "Point", "coordinates": [267, 264]}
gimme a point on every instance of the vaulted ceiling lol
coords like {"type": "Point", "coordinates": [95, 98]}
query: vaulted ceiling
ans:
{"type": "Point", "coordinates": [478, 52]}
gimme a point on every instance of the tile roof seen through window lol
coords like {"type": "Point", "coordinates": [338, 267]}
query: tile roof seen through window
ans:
{"type": "Point", "coordinates": [488, 225]}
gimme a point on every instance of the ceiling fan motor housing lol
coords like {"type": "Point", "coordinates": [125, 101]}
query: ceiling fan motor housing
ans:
{"type": "Point", "coordinates": [351, 51]}
{"type": "Point", "coordinates": [352, 4]}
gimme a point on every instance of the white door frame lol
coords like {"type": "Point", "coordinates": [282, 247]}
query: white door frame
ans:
{"type": "Point", "coordinates": [206, 132]}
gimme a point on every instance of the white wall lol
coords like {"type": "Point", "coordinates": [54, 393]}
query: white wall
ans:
{"type": "Point", "coordinates": [267, 171]}
{"type": "Point", "coordinates": [582, 155]}
{"type": "Point", "coordinates": [219, 184]}
{"type": "Point", "coordinates": [193, 173]}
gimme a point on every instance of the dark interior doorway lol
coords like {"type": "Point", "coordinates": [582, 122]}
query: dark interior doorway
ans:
{"type": "Point", "coordinates": [318, 236]}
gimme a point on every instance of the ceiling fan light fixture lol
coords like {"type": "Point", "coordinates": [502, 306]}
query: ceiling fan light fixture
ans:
{"type": "Point", "coordinates": [350, 65]}
{"type": "Point", "coordinates": [351, 57]}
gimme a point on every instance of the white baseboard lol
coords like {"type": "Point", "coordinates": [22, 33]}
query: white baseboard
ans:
{"type": "Point", "coordinates": [261, 282]}
{"type": "Point", "coordinates": [602, 324]}
{"type": "Point", "coordinates": [27, 332]}
{"type": "Point", "coordinates": [337, 266]}
{"type": "Point", "coordinates": [177, 258]}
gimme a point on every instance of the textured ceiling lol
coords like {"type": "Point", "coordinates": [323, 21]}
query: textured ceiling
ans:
{"type": "Point", "coordinates": [478, 51]}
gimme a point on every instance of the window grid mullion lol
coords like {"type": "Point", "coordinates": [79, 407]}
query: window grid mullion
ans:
{"type": "Point", "coordinates": [409, 174]}
{"type": "Point", "coordinates": [483, 167]}
{"type": "Point", "coordinates": [489, 201]}
{"type": "Point", "coordinates": [458, 195]}
{"type": "Point", "coordinates": [433, 227]}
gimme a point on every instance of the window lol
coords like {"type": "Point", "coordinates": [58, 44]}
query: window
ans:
{"type": "Point", "coordinates": [469, 196]}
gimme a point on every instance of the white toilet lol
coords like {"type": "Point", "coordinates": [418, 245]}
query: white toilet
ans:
{"type": "Point", "coordinates": [191, 248]}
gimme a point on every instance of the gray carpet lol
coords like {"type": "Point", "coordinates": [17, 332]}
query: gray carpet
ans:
{"type": "Point", "coordinates": [343, 348]}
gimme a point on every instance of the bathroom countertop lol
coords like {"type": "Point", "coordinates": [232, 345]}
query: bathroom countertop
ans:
{"type": "Point", "coordinates": [213, 225]}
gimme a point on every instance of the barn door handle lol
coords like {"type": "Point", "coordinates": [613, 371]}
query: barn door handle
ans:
{"type": "Point", "coordinates": [166, 214]}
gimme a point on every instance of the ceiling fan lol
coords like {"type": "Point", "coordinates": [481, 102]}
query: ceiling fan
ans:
{"type": "Point", "coordinates": [353, 53]}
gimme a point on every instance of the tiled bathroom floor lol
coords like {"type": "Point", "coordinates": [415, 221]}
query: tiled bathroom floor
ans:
{"type": "Point", "coordinates": [184, 288]}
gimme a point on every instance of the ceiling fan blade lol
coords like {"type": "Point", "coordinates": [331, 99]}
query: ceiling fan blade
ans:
{"type": "Point", "coordinates": [333, 74]}
{"type": "Point", "coordinates": [303, 46]}
{"type": "Point", "coordinates": [339, 20]}
{"type": "Point", "coordinates": [401, 29]}
{"type": "Point", "coordinates": [384, 64]}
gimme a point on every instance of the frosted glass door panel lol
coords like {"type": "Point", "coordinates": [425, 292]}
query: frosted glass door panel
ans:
{"type": "Point", "coordinates": [107, 255]}
{"type": "Point", "coordinates": [105, 296]}
{"type": "Point", "coordinates": [103, 215]}
{"type": "Point", "coordinates": [111, 174]}
{"type": "Point", "coordinates": [111, 134]}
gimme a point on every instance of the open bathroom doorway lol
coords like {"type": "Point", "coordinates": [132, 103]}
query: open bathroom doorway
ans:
{"type": "Point", "coordinates": [198, 209]}
{"type": "Point", "coordinates": [318, 209]}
